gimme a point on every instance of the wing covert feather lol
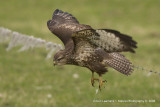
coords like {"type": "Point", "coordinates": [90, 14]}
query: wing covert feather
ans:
{"type": "Point", "coordinates": [109, 40]}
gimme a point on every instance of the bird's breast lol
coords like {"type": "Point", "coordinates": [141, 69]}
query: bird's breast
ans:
{"type": "Point", "coordinates": [84, 52]}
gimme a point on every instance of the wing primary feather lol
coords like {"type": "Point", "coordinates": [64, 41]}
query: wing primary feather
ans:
{"type": "Point", "coordinates": [64, 15]}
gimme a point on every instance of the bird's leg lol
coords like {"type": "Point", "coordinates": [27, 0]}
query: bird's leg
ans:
{"type": "Point", "coordinates": [101, 82]}
{"type": "Point", "coordinates": [92, 79]}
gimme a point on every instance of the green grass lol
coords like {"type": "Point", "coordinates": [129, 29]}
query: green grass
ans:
{"type": "Point", "coordinates": [28, 80]}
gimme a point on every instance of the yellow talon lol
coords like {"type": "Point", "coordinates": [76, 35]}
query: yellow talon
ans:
{"type": "Point", "coordinates": [93, 79]}
{"type": "Point", "coordinates": [101, 82]}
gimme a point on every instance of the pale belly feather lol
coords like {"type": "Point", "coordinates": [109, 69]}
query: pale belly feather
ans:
{"type": "Point", "coordinates": [84, 53]}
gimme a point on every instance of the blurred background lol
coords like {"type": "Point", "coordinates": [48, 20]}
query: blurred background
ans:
{"type": "Point", "coordinates": [28, 80]}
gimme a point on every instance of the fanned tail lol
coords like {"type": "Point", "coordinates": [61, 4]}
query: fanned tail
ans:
{"type": "Point", "coordinates": [119, 63]}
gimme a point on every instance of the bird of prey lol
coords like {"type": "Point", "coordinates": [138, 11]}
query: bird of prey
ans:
{"type": "Point", "coordinates": [95, 49]}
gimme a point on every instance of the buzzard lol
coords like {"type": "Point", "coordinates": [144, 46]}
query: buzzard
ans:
{"type": "Point", "coordinates": [95, 49]}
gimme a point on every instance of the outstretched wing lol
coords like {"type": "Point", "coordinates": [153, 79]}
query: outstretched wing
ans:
{"type": "Point", "coordinates": [62, 24]}
{"type": "Point", "coordinates": [109, 40]}
{"type": "Point", "coordinates": [63, 17]}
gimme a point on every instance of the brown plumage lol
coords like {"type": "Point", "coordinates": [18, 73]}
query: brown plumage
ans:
{"type": "Point", "coordinates": [95, 49]}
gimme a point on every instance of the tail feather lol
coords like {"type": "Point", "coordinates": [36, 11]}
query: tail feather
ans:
{"type": "Point", "coordinates": [119, 63]}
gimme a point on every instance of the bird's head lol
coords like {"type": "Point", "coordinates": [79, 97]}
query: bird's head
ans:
{"type": "Point", "coordinates": [60, 58]}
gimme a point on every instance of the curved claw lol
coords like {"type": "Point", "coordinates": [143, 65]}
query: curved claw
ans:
{"type": "Point", "coordinates": [101, 82]}
{"type": "Point", "coordinates": [92, 81]}
{"type": "Point", "coordinates": [104, 80]}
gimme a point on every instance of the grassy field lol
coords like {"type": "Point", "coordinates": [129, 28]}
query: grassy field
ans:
{"type": "Point", "coordinates": [28, 80]}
